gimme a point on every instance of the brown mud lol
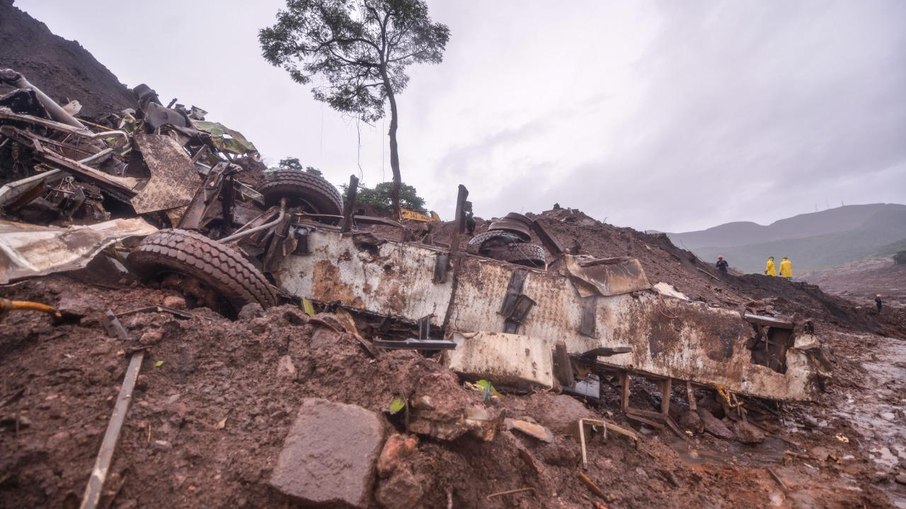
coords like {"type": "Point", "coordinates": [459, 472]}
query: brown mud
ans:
{"type": "Point", "coordinates": [215, 399]}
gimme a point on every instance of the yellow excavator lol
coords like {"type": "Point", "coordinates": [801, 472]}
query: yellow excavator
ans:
{"type": "Point", "coordinates": [411, 215]}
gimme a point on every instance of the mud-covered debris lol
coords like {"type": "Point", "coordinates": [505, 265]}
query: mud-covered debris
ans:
{"type": "Point", "coordinates": [748, 433]}
{"type": "Point", "coordinates": [714, 425]}
{"type": "Point", "coordinates": [441, 409]}
{"type": "Point", "coordinates": [31, 250]}
{"type": "Point", "coordinates": [396, 448]}
{"type": "Point", "coordinates": [329, 454]}
{"type": "Point", "coordinates": [557, 412]}
{"type": "Point", "coordinates": [529, 428]}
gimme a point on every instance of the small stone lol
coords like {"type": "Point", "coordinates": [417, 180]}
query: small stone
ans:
{"type": "Point", "coordinates": [58, 439]}
{"type": "Point", "coordinates": [402, 491]}
{"type": "Point", "coordinates": [395, 449]}
{"type": "Point", "coordinates": [250, 311]}
{"type": "Point", "coordinates": [151, 337]}
{"type": "Point", "coordinates": [175, 302]}
{"type": "Point", "coordinates": [285, 368]}
{"type": "Point", "coordinates": [901, 479]}
{"type": "Point", "coordinates": [530, 429]}
{"type": "Point", "coordinates": [809, 421]}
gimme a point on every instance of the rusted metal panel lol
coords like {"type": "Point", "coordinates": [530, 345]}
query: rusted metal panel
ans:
{"type": "Point", "coordinates": [669, 337]}
{"type": "Point", "coordinates": [605, 276]}
{"type": "Point", "coordinates": [507, 359]}
{"type": "Point", "coordinates": [392, 279]}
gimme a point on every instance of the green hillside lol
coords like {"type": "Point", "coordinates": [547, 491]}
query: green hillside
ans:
{"type": "Point", "coordinates": [882, 233]}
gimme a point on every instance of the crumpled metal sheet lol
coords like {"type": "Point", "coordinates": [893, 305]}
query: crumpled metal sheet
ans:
{"type": "Point", "coordinates": [605, 276]}
{"type": "Point", "coordinates": [28, 250]}
{"type": "Point", "coordinates": [173, 181]}
{"type": "Point", "coordinates": [224, 138]}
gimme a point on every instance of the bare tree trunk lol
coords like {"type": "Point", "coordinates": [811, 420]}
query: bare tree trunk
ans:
{"type": "Point", "coordinates": [394, 148]}
{"type": "Point", "coordinates": [394, 157]}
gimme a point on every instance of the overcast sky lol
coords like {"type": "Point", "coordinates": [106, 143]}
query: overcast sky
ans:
{"type": "Point", "coordinates": [657, 115]}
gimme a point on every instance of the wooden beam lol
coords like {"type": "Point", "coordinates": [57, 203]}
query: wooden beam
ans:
{"type": "Point", "coordinates": [111, 437]}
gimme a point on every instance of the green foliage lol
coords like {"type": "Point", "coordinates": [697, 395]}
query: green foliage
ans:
{"type": "Point", "coordinates": [396, 405]}
{"type": "Point", "coordinates": [292, 163]}
{"type": "Point", "coordinates": [379, 197]}
{"type": "Point", "coordinates": [360, 48]}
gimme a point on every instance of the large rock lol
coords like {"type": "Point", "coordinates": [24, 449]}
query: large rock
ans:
{"type": "Point", "coordinates": [329, 454]}
{"type": "Point", "coordinates": [748, 433]}
{"type": "Point", "coordinates": [714, 425]}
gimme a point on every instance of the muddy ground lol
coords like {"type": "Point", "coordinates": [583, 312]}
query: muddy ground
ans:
{"type": "Point", "coordinates": [215, 399]}
{"type": "Point", "coordinates": [861, 281]}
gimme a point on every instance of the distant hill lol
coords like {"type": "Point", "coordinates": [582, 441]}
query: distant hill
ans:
{"type": "Point", "coordinates": [813, 241]}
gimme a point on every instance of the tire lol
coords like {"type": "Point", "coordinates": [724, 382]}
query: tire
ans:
{"type": "Point", "coordinates": [512, 226]}
{"type": "Point", "coordinates": [522, 253]}
{"type": "Point", "coordinates": [221, 271]}
{"type": "Point", "coordinates": [301, 189]}
{"type": "Point", "coordinates": [519, 218]}
{"type": "Point", "coordinates": [491, 237]}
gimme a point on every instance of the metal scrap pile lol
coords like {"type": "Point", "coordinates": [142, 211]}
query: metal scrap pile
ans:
{"type": "Point", "coordinates": [148, 162]}
{"type": "Point", "coordinates": [133, 172]}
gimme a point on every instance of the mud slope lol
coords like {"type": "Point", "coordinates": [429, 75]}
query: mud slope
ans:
{"type": "Point", "coordinates": [215, 399]}
{"type": "Point", "coordinates": [62, 69]}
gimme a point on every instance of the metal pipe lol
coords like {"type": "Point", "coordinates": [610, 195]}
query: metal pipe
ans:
{"type": "Point", "coordinates": [246, 233]}
{"type": "Point", "coordinates": [55, 110]}
{"type": "Point", "coordinates": [7, 305]}
{"type": "Point", "coordinates": [60, 126]}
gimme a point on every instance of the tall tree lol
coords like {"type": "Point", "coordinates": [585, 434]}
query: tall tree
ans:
{"type": "Point", "coordinates": [360, 49]}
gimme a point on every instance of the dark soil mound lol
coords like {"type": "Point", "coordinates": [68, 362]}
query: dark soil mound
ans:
{"type": "Point", "coordinates": [62, 69]}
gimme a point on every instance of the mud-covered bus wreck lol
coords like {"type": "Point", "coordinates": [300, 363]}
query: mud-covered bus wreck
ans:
{"type": "Point", "coordinates": [500, 309]}
{"type": "Point", "coordinates": [512, 323]}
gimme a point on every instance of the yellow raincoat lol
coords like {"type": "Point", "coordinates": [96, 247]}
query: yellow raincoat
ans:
{"type": "Point", "coordinates": [769, 269]}
{"type": "Point", "coordinates": [786, 268]}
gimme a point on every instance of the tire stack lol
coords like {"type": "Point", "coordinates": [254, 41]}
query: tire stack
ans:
{"type": "Point", "coordinates": [508, 239]}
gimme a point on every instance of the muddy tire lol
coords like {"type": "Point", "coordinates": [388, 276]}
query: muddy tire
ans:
{"type": "Point", "coordinates": [220, 276]}
{"type": "Point", "coordinates": [311, 192]}
{"type": "Point", "coordinates": [511, 226]}
{"type": "Point", "coordinates": [490, 238]}
{"type": "Point", "coordinates": [524, 253]}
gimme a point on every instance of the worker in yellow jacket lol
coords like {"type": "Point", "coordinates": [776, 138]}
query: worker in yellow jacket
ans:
{"type": "Point", "coordinates": [786, 268]}
{"type": "Point", "coordinates": [769, 268]}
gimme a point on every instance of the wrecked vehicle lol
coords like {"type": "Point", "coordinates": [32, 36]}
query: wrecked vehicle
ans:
{"type": "Point", "coordinates": [507, 312]}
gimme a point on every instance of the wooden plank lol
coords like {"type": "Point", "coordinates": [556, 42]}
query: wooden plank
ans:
{"type": "Point", "coordinates": [649, 422]}
{"type": "Point", "coordinates": [769, 321]}
{"type": "Point", "coordinates": [690, 397]}
{"type": "Point", "coordinates": [111, 437]}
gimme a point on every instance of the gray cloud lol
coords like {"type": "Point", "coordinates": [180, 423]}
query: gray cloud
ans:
{"type": "Point", "coordinates": [666, 115]}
